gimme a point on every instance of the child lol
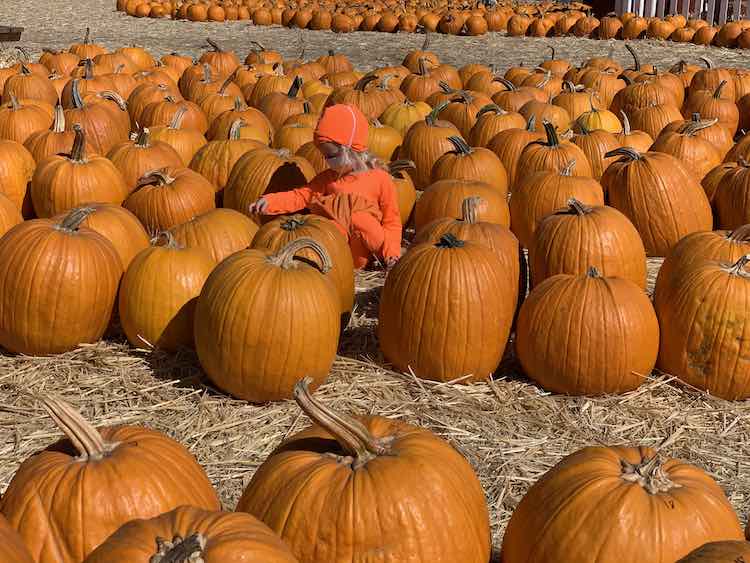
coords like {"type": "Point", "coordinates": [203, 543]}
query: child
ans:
{"type": "Point", "coordinates": [356, 194]}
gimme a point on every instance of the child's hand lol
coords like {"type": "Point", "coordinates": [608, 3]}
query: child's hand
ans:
{"type": "Point", "coordinates": [258, 206]}
{"type": "Point", "coordinates": [390, 262]}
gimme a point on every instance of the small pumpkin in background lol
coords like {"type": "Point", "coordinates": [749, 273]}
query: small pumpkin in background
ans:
{"type": "Point", "coordinates": [306, 303]}
{"type": "Point", "coordinates": [279, 232]}
{"type": "Point", "coordinates": [54, 140]}
{"type": "Point", "coordinates": [415, 317]}
{"type": "Point", "coordinates": [554, 339]}
{"type": "Point", "coordinates": [134, 158]}
{"type": "Point", "coordinates": [553, 154]}
{"type": "Point", "coordinates": [408, 463]}
{"type": "Point", "coordinates": [185, 141]}
{"type": "Point", "coordinates": [444, 199]}
{"type": "Point", "coordinates": [638, 140]}
{"type": "Point", "coordinates": [491, 120]}
{"type": "Point", "coordinates": [22, 118]}
{"type": "Point", "coordinates": [595, 144]}
{"type": "Point", "coordinates": [221, 232]}
{"type": "Point", "coordinates": [678, 507]}
{"type": "Point", "coordinates": [470, 165]}
{"type": "Point", "coordinates": [571, 240]}
{"type": "Point", "coordinates": [508, 146]}
{"type": "Point", "coordinates": [158, 294]}
{"type": "Point", "coordinates": [699, 155]}
{"type": "Point", "coordinates": [662, 199]}
{"type": "Point", "coordinates": [197, 534]}
{"type": "Point", "coordinates": [166, 197]}
{"type": "Point", "coordinates": [138, 473]}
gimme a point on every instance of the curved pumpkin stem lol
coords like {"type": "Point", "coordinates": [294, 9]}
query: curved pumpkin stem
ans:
{"type": "Point", "coordinates": [351, 434]}
{"type": "Point", "coordinates": [636, 60]}
{"type": "Point", "coordinates": [169, 240]}
{"type": "Point", "coordinates": [593, 272]}
{"type": "Point", "coordinates": [552, 54]}
{"type": "Point", "coordinates": [432, 117]}
{"type": "Point", "coordinates": [449, 240]}
{"type": "Point", "coordinates": [552, 139]}
{"type": "Point", "coordinates": [85, 438]}
{"type": "Point", "coordinates": [577, 207]}
{"type": "Point", "coordinates": [719, 88]}
{"type": "Point", "coordinates": [364, 81]}
{"type": "Point", "coordinates": [709, 64]}
{"type": "Point", "coordinates": [531, 124]}
{"type": "Point", "coordinates": [494, 108]}
{"type": "Point", "coordinates": [159, 177]}
{"type": "Point", "coordinates": [740, 234]}
{"type": "Point", "coordinates": [625, 123]}
{"type": "Point", "coordinates": [224, 85]}
{"type": "Point", "coordinates": [72, 221]}
{"type": "Point", "coordinates": [691, 128]}
{"type": "Point", "coordinates": [239, 104]}
{"type": "Point", "coordinates": [582, 125]}
{"type": "Point", "coordinates": [87, 36]}
{"type": "Point", "coordinates": [649, 474]}
{"type": "Point", "coordinates": [234, 129]}
{"type": "Point", "coordinates": [505, 82]}
{"type": "Point", "coordinates": [77, 153]}
{"type": "Point", "coordinates": [469, 208]}
{"type": "Point", "coordinates": [214, 45]}
{"type": "Point", "coordinates": [114, 97]}
{"type": "Point", "coordinates": [568, 169]}
{"type": "Point", "coordinates": [738, 268]}
{"type": "Point", "coordinates": [58, 125]}
{"type": "Point", "coordinates": [295, 87]}
{"type": "Point", "coordinates": [628, 152]}
{"type": "Point", "coordinates": [75, 94]}
{"type": "Point", "coordinates": [284, 258]}
{"type": "Point", "coordinates": [400, 165]}
{"type": "Point", "coordinates": [179, 550]}
{"type": "Point", "coordinates": [461, 147]}
{"type": "Point", "coordinates": [293, 223]}
{"type": "Point", "coordinates": [143, 140]}
{"type": "Point", "coordinates": [177, 118]}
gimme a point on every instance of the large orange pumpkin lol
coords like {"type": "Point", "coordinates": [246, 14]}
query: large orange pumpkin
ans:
{"type": "Point", "coordinates": [552, 154]}
{"type": "Point", "coordinates": [659, 195]}
{"type": "Point", "coordinates": [509, 144]}
{"type": "Point", "coordinates": [16, 170]}
{"type": "Point", "coordinates": [703, 314]}
{"type": "Point", "coordinates": [587, 334]}
{"type": "Point", "coordinates": [245, 298]}
{"type": "Point", "coordinates": [371, 468]}
{"type": "Point", "coordinates": [158, 294]}
{"type": "Point", "coordinates": [134, 158]}
{"type": "Point", "coordinates": [12, 548]}
{"type": "Point", "coordinates": [444, 293]}
{"type": "Point", "coordinates": [82, 267]}
{"type": "Point", "coordinates": [193, 534]}
{"type": "Point", "coordinates": [445, 198]}
{"type": "Point", "coordinates": [471, 165]}
{"type": "Point", "coordinates": [133, 471]}
{"type": "Point", "coordinates": [220, 232]}
{"type": "Point", "coordinates": [676, 507]}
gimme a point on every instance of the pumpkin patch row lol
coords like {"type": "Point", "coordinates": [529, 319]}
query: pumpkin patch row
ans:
{"type": "Point", "coordinates": [546, 19]}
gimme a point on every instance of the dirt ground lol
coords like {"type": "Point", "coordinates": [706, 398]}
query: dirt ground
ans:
{"type": "Point", "coordinates": [509, 429]}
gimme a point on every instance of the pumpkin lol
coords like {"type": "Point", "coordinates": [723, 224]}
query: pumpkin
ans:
{"type": "Point", "coordinates": [508, 146]}
{"type": "Point", "coordinates": [184, 140]}
{"type": "Point", "coordinates": [19, 119]}
{"type": "Point", "coordinates": [264, 171]}
{"type": "Point", "coordinates": [712, 180]}
{"type": "Point", "coordinates": [137, 473]}
{"type": "Point", "coordinates": [638, 140]}
{"type": "Point", "coordinates": [710, 78]}
{"type": "Point", "coordinates": [719, 552]}
{"type": "Point", "coordinates": [312, 154]}
{"type": "Point", "coordinates": [12, 548]}
{"type": "Point", "coordinates": [166, 197]}
{"type": "Point", "coordinates": [513, 98]}
{"type": "Point", "coordinates": [677, 506]}
{"type": "Point", "coordinates": [87, 49]}
{"type": "Point", "coordinates": [553, 154]}
{"type": "Point", "coordinates": [162, 112]}
{"type": "Point", "coordinates": [194, 534]}
{"type": "Point", "coordinates": [405, 191]}
{"type": "Point", "coordinates": [10, 215]}
{"type": "Point", "coordinates": [134, 158]}
{"type": "Point", "coordinates": [158, 294]}
{"type": "Point", "coordinates": [389, 450]}
{"type": "Point", "coordinates": [575, 100]}
{"type": "Point", "coordinates": [595, 144]}
{"type": "Point", "coordinates": [36, 321]}
{"type": "Point", "coordinates": [424, 143]}
{"type": "Point", "coordinates": [598, 119]}
{"type": "Point", "coordinates": [546, 112]}
{"type": "Point", "coordinates": [292, 137]}
{"type": "Point", "coordinates": [16, 170]}
{"type": "Point", "coordinates": [116, 224]}
{"type": "Point", "coordinates": [712, 104]}
{"type": "Point", "coordinates": [544, 192]}
{"type": "Point", "coordinates": [215, 160]}
{"type": "Point", "coordinates": [444, 199]}
{"type": "Point", "coordinates": [145, 95]}
{"type": "Point", "coordinates": [710, 130]}
{"type": "Point", "coordinates": [470, 165]}
{"type": "Point", "coordinates": [585, 334]}
{"type": "Point", "coordinates": [702, 312]}
{"type": "Point", "coordinates": [697, 154]}
{"type": "Point", "coordinates": [62, 182]}
{"type": "Point", "coordinates": [222, 123]}
{"type": "Point", "coordinates": [369, 101]}
{"type": "Point", "coordinates": [730, 196]}
{"type": "Point", "coordinates": [569, 241]}
{"type": "Point", "coordinates": [238, 345]}
{"type": "Point", "coordinates": [418, 86]}
{"type": "Point", "coordinates": [61, 62]}
{"type": "Point", "coordinates": [659, 195]}
{"type": "Point", "coordinates": [491, 120]}
{"type": "Point", "coordinates": [383, 141]}
{"type": "Point", "coordinates": [653, 118]}
{"type": "Point", "coordinates": [225, 62]}
{"type": "Point", "coordinates": [31, 86]}
{"type": "Point", "coordinates": [402, 115]}
{"type": "Point", "coordinates": [54, 140]}
{"type": "Point", "coordinates": [416, 318]}
{"type": "Point", "coordinates": [104, 125]}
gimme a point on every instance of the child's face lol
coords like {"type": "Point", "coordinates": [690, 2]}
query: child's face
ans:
{"type": "Point", "coordinates": [336, 157]}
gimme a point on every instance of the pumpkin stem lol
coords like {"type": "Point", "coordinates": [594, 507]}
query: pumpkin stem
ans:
{"type": "Point", "coordinates": [160, 176]}
{"type": "Point", "coordinates": [577, 207]}
{"type": "Point", "coordinates": [58, 125]}
{"type": "Point", "coordinates": [709, 64]}
{"type": "Point", "coordinates": [432, 117]}
{"type": "Point", "coordinates": [351, 434]}
{"type": "Point", "coordinates": [427, 41]}
{"type": "Point", "coordinates": [85, 438]}
{"type": "Point", "coordinates": [649, 475]}
{"type": "Point", "coordinates": [695, 116]}
{"type": "Point", "coordinates": [214, 45]}
{"type": "Point", "coordinates": [625, 123]}
{"type": "Point", "coordinates": [582, 125]}
{"type": "Point", "coordinates": [364, 81]}
{"type": "Point", "coordinates": [593, 272]}
{"type": "Point", "coordinates": [399, 165]}
{"type": "Point", "coordinates": [293, 223]}
{"type": "Point", "coordinates": [114, 97]}
{"type": "Point", "coordinates": [284, 258]}
{"type": "Point", "coordinates": [295, 87]}
{"type": "Point", "coordinates": [552, 138]}
{"type": "Point", "coordinates": [72, 221]}
{"type": "Point", "coordinates": [239, 103]}
{"type": "Point", "coordinates": [469, 207]}
{"type": "Point", "coordinates": [494, 108]}
{"type": "Point", "coordinates": [738, 268]}
{"type": "Point", "coordinates": [568, 169]}
{"type": "Point", "coordinates": [422, 66]}
{"type": "Point", "coordinates": [79, 145]}
{"type": "Point", "coordinates": [636, 61]}
{"type": "Point", "coordinates": [87, 36]}
{"type": "Point", "coordinates": [692, 127]}
{"type": "Point", "coordinates": [552, 54]}
{"type": "Point", "coordinates": [449, 240]}
{"type": "Point", "coordinates": [531, 124]}
{"type": "Point", "coordinates": [461, 147]}
{"type": "Point", "coordinates": [628, 152]}
{"type": "Point", "coordinates": [234, 129]}
{"type": "Point", "coordinates": [179, 550]}
{"type": "Point", "coordinates": [75, 94]}
{"type": "Point", "coordinates": [15, 106]}
{"type": "Point", "coordinates": [143, 140]}
{"type": "Point", "coordinates": [719, 88]}
{"type": "Point", "coordinates": [226, 83]}
{"type": "Point", "coordinates": [207, 78]}
{"type": "Point", "coordinates": [505, 82]}
{"type": "Point", "coordinates": [740, 234]}
{"type": "Point", "coordinates": [169, 240]}
{"type": "Point", "coordinates": [177, 118]}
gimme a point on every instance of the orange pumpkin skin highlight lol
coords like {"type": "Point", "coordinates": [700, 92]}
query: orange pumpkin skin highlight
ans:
{"type": "Point", "coordinates": [221, 232]}
{"type": "Point", "coordinates": [82, 267]}
{"type": "Point", "coordinates": [600, 484]}
{"type": "Point", "coordinates": [12, 548]}
{"type": "Point", "coordinates": [118, 474]}
{"type": "Point", "coordinates": [719, 552]}
{"type": "Point", "coordinates": [703, 313]}
{"type": "Point", "coordinates": [228, 537]}
{"type": "Point", "coordinates": [441, 294]}
{"type": "Point", "coordinates": [396, 503]}
{"type": "Point", "coordinates": [263, 318]}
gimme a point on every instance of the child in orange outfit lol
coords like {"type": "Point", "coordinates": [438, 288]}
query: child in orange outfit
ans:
{"type": "Point", "coordinates": [357, 195]}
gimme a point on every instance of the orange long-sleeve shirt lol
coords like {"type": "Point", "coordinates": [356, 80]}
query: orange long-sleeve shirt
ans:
{"type": "Point", "coordinates": [375, 185]}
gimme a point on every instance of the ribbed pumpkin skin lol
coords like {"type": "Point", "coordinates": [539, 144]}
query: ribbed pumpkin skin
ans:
{"type": "Point", "coordinates": [279, 232]}
{"type": "Point", "coordinates": [719, 552]}
{"type": "Point", "coordinates": [732, 196]}
{"type": "Point", "coordinates": [10, 216]}
{"type": "Point", "coordinates": [661, 198]}
{"type": "Point", "coordinates": [444, 198]}
{"type": "Point", "coordinates": [16, 169]}
{"type": "Point", "coordinates": [437, 297]}
{"type": "Point", "coordinates": [221, 232]}
{"type": "Point", "coordinates": [424, 143]}
{"type": "Point", "coordinates": [134, 158]}
{"type": "Point", "coordinates": [585, 335]}
{"type": "Point", "coordinates": [82, 267]}
{"type": "Point", "coordinates": [719, 246]}
{"type": "Point", "coordinates": [158, 294]}
{"type": "Point", "coordinates": [146, 474]}
{"type": "Point", "coordinates": [231, 537]}
{"type": "Point", "coordinates": [216, 159]}
{"type": "Point", "coordinates": [12, 548]}
{"type": "Point", "coordinates": [568, 243]}
{"type": "Point", "coordinates": [303, 493]}
{"type": "Point", "coordinates": [703, 313]}
{"type": "Point", "coordinates": [586, 493]}
{"type": "Point", "coordinates": [259, 326]}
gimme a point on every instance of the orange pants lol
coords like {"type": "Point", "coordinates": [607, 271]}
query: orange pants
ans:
{"type": "Point", "coordinates": [366, 237]}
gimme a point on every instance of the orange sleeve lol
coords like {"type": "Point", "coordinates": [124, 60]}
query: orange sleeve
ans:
{"type": "Point", "coordinates": [388, 201]}
{"type": "Point", "coordinates": [294, 200]}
